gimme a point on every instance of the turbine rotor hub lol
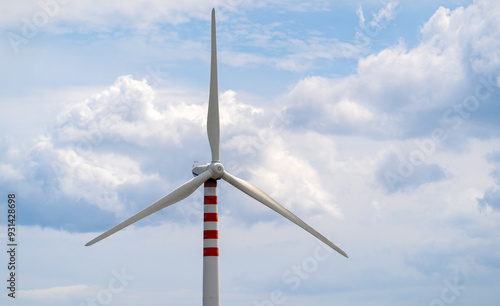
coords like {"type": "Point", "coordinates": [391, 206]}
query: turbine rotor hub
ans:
{"type": "Point", "coordinates": [217, 170]}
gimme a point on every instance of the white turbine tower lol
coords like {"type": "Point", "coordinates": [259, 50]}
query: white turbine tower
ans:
{"type": "Point", "coordinates": [208, 174]}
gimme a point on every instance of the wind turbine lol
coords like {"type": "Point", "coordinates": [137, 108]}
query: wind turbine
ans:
{"type": "Point", "coordinates": [208, 174]}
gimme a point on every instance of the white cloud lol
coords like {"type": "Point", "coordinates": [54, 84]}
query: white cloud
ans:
{"type": "Point", "coordinates": [94, 15]}
{"type": "Point", "coordinates": [418, 79]}
{"type": "Point", "coordinates": [9, 173]}
{"type": "Point", "coordinates": [385, 14]}
{"type": "Point", "coordinates": [295, 55]}
{"type": "Point", "coordinates": [468, 30]}
{"type": "Point", "coordinates": [235, 114]}
{"type": "Point", "coordinates": [410, 91]}
{"type": "Point", "coordinates": [96, 177]}
{"type": "Point", "coordinates": [280, 46]}
{"type": "Point", "coordinates": [77, 156]}
{"type": "Point", "coordinates": [359, 12]}
{"type": "Point", "coordinates": [67, 16]}
{"type": "Point", "coordinates": [348, 112]}
{"type": "Point", "coordinates": [334, 106]}
{"type": "Point", "coordinates": [127, 111]}
{"type": "Point", "coordinates": [291, 176]}
{"type": "Point", "coordinates": [62, 293]}
{"type": "Point", "coordinates": [241, 59]}
{"type": "Point", "coordinates": [130, 111]}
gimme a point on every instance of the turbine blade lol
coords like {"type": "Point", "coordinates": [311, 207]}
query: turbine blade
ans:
{"type": "Point", "coordinates": [265, 199]}
{"type": "Point", "coordinates": [175, 196]}
{"type": "Point", "coordinates": [213, 127]}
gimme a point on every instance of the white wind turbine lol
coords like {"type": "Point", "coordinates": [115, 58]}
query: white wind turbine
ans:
{"type": "Point", "coordinates": [208, 174]}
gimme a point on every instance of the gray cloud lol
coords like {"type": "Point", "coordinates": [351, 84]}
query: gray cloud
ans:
{"type": "Point", "coordinates": [396, 174]}
{"type": "Point", "coordinates": [494, 158]}
{"type": "Point", "coordinates": [490, 198]}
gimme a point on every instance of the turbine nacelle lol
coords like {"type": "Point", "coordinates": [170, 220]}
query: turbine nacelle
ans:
{"type": "Point", "coordinates": [216, 168]}
{"type": "Point", "coordinates": [199, 169]}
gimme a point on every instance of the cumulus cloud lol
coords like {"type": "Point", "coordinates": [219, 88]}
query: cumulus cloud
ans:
{"type": "Point", "coordinates": [284, 165]}
{"type": "Point", "coordinates": [127, 111]}
{"type": "Point", "coordinates": [234, 114]}
{"type": "Point", "coordinates": [322, 104]}
{"type": "Point", "coordinates": [107, 153]}
{"type": "Point", "coordinates": [78, 150]}
{"type": "Point", "coordinates": [448, 81]}
{"type": "Point", "coordinates": [292, 175]}
{"type": "Point", "coordinates": [130, 112]}
{"type": "Point", "coordinates": [446, 29]}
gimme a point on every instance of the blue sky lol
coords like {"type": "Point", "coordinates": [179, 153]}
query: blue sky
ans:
{"type": "Point", "coordinates": [376, 122]}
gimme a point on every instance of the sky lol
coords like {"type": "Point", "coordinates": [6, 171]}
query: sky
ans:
{"type": "Point", "coordinates": [376, 122]}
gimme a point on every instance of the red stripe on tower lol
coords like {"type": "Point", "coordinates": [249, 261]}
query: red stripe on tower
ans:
{"type": "Point", "coordinates": [210, 199]}
{"type": "Point", "coordinates": [211, 252]}
{"type": "Point", "coordinates": [211, 234]}
{"type": "Point", "coordinates": [211, 183]}
{"type": "Point", "coordinates": [210, 217]}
